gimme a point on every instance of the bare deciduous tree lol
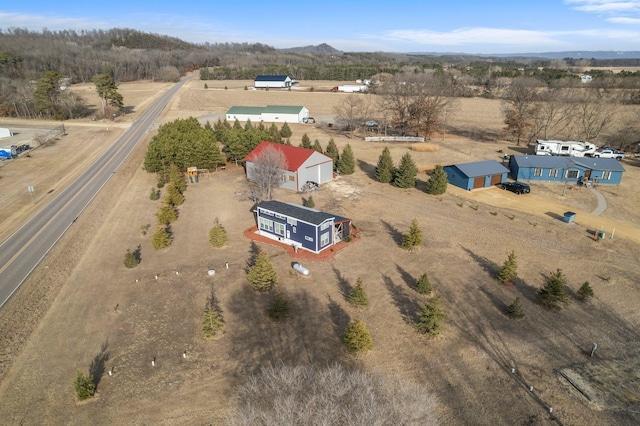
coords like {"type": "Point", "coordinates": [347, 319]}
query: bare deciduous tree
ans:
{"type": "Point", "coordinates": [267, 171]}
{"type": "Point", "coordinates": [351, 111]}
{"type": "Point", "coordinates": [520, 109]}
{"type": "Point", "coordinates": [593, 115]}
{"type": "Point", "coordinates": [553, 118]}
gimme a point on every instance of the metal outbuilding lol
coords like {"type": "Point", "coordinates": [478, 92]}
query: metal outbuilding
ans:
{"type": "Point", "coordinates": [478, 174]}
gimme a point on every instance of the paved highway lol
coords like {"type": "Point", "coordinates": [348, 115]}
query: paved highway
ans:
{"type": "Point", "coordinates": [23, 251]}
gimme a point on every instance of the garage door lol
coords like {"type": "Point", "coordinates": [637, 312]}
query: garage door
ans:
{"type": "Point", "coordinates": [478, 182]}
{"type": "Point", "coordinates": [496, 179]}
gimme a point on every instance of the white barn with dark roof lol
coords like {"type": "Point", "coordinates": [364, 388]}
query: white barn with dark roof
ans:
{"type": "Point", "coordinates": [478, 174]}
{"type": "Point", "coordinates": [299, 226]}
{"type": "Point", "coordinates": [273, 81]}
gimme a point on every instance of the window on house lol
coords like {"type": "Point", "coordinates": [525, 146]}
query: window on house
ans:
{"type": "Point", "coordinates": [325, 226]}
{"type": "Point", "coordinates": [606, 175]}
{"type": "Point", "coordinates": [324, 239]}
{"type": "Point", "coordinates": [265, 224]}
{"type": "Point", "coordinates": [571, 174]}
{"type": "Point", "coordinates": [279, 228]}
{"type": "Point", "coordinates": [553, 173]}
{"type": "Point", "coordinates": [537, 171]}
{"type": "Point", "coordinates": [292, 178]}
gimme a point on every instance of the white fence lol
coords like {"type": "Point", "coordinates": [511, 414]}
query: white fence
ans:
{"type": "Point", "coordinates": [393, 139]}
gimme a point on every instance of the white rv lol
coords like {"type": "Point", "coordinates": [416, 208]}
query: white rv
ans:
{"type": "Point", "coordinates": [566, 148]}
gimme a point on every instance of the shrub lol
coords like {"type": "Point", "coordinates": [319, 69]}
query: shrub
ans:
{"type": "Point", "coordinates": [412, 239]}
{"type": "Point", "coordinates": [431, 318]}
{"type": "Point", "coordinates": [262, 276]}
{"type": "Point", "coordinates": [278, 308]}
{"type": "Point", "coordinates": [309, 202]}
{"type": "Point", "coordinates": [154, 195]}
{"type": "Point", "coordinates": [173, 196]}
{"type": "Point", "coordinates": [130, 259]}
{"type": "Point", "coordinates": [553, 293]}
{"type": "Point", "coordinates": [585, 292]}
{"type": "Point", "coordinates": [515, 310]}
{"type": "Point", "coordinates": [217, 235]}
{"type": "Point", "coordinates": [423, 286]}
{"type": "Point", "coordinates": [357, 296]}
{"type": "Point", "coordinates": [357, 338]}
{"type": "Point", "coordinates": [84, 386]}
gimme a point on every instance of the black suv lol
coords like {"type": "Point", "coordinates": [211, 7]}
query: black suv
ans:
{"type": "Point", "coordinates": [517, 187]}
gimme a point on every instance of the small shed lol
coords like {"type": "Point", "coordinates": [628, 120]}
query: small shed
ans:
{"type": "Point", "coordinates": [478, 174]}
{"type": "Point", "coordinates": [273, 81]}
{"type": "Point", "coordinates": [269, 114]}
{"type": "Point", "coordinates": [300, 226]}
{"type": "Point", "coordinates": [303, 165]}
{"type": "Point", "coordinates": [566, 169]}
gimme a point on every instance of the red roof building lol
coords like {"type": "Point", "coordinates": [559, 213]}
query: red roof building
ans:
{"type": "Point", "coordinates": [303, 165]}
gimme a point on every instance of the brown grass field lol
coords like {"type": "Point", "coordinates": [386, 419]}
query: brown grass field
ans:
{"type": "Point", "coordinates": [82, 306]}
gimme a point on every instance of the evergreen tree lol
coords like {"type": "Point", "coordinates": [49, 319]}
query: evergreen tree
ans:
{"type": "Point", "coordinates": [130, 260]}
{"type": "Point", "coordinates": [248, 125]}
{"type": "Point", "coordinates": [278, 308]}
{"type": "Point", "coordinates": [332, 151]}
{"type": "Point", "coordinates": [385, 167]}
{"type": "Point", "coordinates": [166, 214]}
{"type": "Point", "coordinates": [236, 124]}
{"type": "Point", "coordinates": [306, 142]}
{"type": "Point", "coordinates": [405, 176]}
{"type": "Point", "coordinates": [347, 162]}
{"type": "Point", "coordinates": [46, 97]}
{"type": "Point", "coordinates": [262, 276]}
{"type": "Point", "coordinates": [585, 292]}
{"type": "Point", "coordinates": [217, 235]}
{"type": "Point", "coordinates": [509, 270]}
{"type": "Point", "coordinates": [173, 196]}
{"type": "Point", "coordinates": [285, 131]}
{"type": "Point", "coordinates": [423, 285]}
{"type": "Point", "coordinates": [84, 386]}
{"type": "Point", "coordinates": [316, 146]}
{"type": "Point", "coordinates": [515, 311]}
{"type": "Point", "coordinates": [177, 178]}
{"type": "Point", "coordinates": [437, 183]}
{"type": "Point", "coordinates": [413, 238]}
{"type": "Point", "coordinates": [357, 296]}
{"type": "Point", "coordinates": [553, 292]}
{"type": "Point", "coordinates": [357, 337]}
{"type": "Point", "coordinates": [274, 134]}
{"type": "Point", "coordinates": [107, 90]}
{"type": "Point", "coordinates": [161, 238]}
{"type": "Point", "coordinates": [212, 322]}
{"type": "Point", "coordinates": [431, 317]}
{"type": "Point", "coordinates": [309, 202]}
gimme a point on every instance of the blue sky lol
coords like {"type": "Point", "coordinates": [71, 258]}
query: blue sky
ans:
{"type": "Point", "coordinates": [392, 26]}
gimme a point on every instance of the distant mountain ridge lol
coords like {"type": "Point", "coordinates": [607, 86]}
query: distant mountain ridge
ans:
{"type": "Point", "coordinates": [575, 54]}
{"type": "Point", "coordinates": [321, 49]}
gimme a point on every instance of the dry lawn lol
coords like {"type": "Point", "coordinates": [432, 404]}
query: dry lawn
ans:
{"type": "Point", "coordinates": [82, 305]}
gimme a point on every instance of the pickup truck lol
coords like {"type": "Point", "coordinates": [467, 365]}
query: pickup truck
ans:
{"type": "Point", "coordinates": [608, 153]}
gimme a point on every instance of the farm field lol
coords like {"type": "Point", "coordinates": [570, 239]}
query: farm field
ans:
{"type": "Point", "coordinates": [82, 305]}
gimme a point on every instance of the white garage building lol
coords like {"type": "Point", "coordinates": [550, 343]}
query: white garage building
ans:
{"type": "Point", "coordinates": [269, 114]}
{"type": "Point", "coordinates": [273, 82]}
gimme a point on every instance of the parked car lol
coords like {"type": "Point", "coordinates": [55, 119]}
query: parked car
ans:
{"type": "Point", "coordinates": [608, 153]}
{"type": "Point", "coordinates": [517, 187]}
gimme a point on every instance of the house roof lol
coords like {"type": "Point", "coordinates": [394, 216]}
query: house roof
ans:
{"type": "Point", "coordinates": [481, 168]}
{"type": "Point", "coordinates": [561, 162]}
{"type": "Point", "coordinates": [305, 214]}
{"type": "Point", "coordinates": [271, 78]}
{"type": "Point", "coordinates": [295, 156]}
{"type": "Point", "coordinates": [271, 109]}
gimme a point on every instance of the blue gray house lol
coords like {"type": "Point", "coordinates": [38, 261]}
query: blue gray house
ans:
{"type": "Point", "coordinates": [479, 174]}
{"type": "Point", "coordinates": [566, 169]}
{"type": "Point", "coordinates": [300, 226]}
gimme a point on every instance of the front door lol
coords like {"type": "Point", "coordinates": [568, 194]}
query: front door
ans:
{"type": "Point", "coordinates": [587, 174]}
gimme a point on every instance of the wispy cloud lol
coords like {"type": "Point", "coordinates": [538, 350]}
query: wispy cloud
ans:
{"type": "Point", "coordinates": [614, 7]}
{"type": "Point", "coordinates": [624, 20]}
{"type": "Point", "coordinates": [472, 36]}
{"type": "Point", "coordinates": [19, 20]}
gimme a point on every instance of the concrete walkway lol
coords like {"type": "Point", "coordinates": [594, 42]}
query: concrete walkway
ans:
{"type": "Point", "coordinates": [602, 203]}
